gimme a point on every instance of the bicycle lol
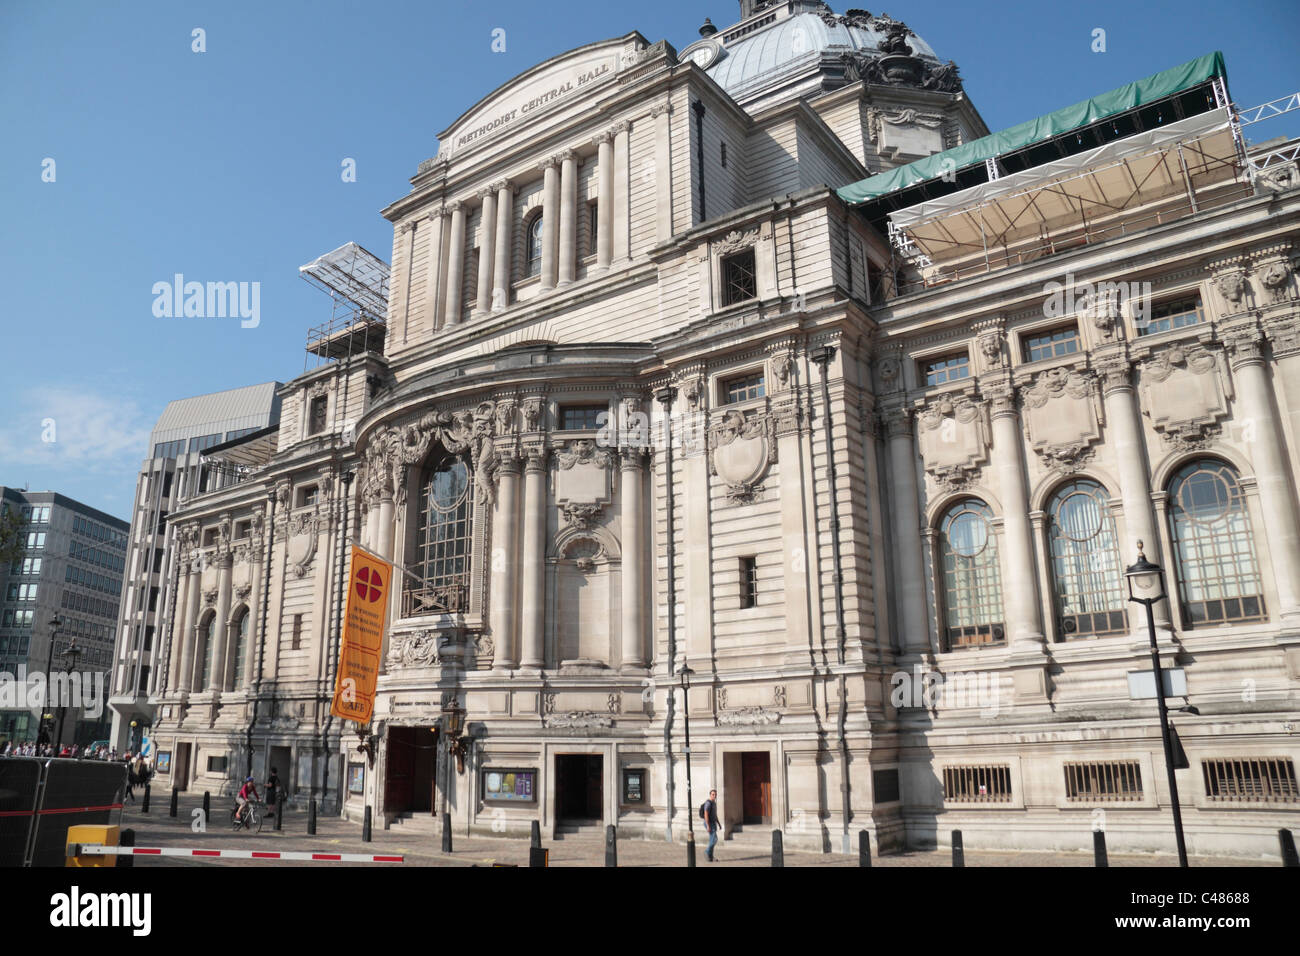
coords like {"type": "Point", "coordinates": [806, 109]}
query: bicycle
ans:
{"type": "Point", "coordinates": [252, 819]}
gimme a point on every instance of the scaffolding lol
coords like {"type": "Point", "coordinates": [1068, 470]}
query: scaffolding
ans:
{"type": "Point", "coordinates": [357, 283]}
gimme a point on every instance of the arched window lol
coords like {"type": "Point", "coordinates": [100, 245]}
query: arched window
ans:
{"type": "Point", "coordinates": [972, 583]}
{"type": "Point", "coordinates": [1214, 549]}
{"type": "Point", "coordinates": [1086, 576]}
{"type": "Point", "coordinates": [241, 650]}
{"type": "Point", "coordinates": [443, 541]}
{"type": "Point", "coordinates": [209, 645]}
{"type": "Point", "coordinates": [533, 247]}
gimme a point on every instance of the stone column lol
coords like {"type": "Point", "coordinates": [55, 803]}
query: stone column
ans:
{"type": "Point", "coordinates": [409, 229]}
{"type": "Point", "coordinates": [568, 216]}
{"type": "Point", "coordinates": [455, 265]}
{"type": "Point", "coordinates": [622, 199]}
{"type": "Point", "coordinates": [633, 570]}
{"type": "Point", "coordinates": [1124, 425]}
{"type": "Point", "coordinates": [1268, 455]}
{"type": "Point", "coordinates": [533, 623]}
{"type": "Point", "coordinates": [433, 290]}
{"type": "Point", "coordinates": [501, 268]}
{"type": "Point", "coordinates": [182, 631]}
{"type": "Point", "coordinates": [224, 649]}
{"type": "Point", "coordinates": [605, 200]}
{"type": "Point", "coordinates": [486, 251]}
{"type": "Point", "coordinates": [550, 223]}
{"type": "Point", "coordinates": [909, 577]}
{"type": "Point", "coordinates": [384, 541]}
{"type": "Point", "coordinates": [662, 171]}
{"type": "Point", "coordinates": [505, 556]}
{"type": "Point", "coordinates": [1019, 579]}
{"type": "Point", "coordinates": [192, 666]}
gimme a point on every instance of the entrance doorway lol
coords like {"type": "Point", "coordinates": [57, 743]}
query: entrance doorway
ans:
{"type": "Point", "coordinates": [756, 787]}
{"type": "Point", "coordinates": [579, 789]}
{"type": "Point", "coordinates": [411, 758]}
{"type": "Point", "coordinates": [181, 767]}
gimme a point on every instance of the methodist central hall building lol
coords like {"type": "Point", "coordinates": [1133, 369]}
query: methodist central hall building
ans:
{"type": "Point", "coordinates": [766, 359]}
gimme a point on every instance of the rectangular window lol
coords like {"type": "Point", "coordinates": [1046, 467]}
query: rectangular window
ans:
{"type": "Point", "coordinates": [201, 443]}
{"type": "Point", "coordinates": [739, 281]}
{"type": "Point", "coordinates": [977, 784]}
{"type": "Point", "coordinates": [316, 415]}
{"type": "Point", "coordinates": [1091, 782]}
{"type": "Point", "coordinates": [579, 417]}
{"type": "Point", "coordinates": [297, 633]}
{"type": "Point", "coordinates": [243, 528]}
{"type": "Point", "coordinates": [169, 449]}
{"type": "Point", "coordinates": [885, 785]}
{"type": "Point", "coordinates": [724, 155]}
{"type": "Point", "coordinates": [1170, 314]}
{"type": "Point", "coordinates": [593, 226]}
{"type": "Point", "coordinates": [748, 582]}
{"type": "Point", "coordinates": [217, 764]}
{"type": "Point", "coordinates": [1254, 780]}
{"type": "Point", "coordinates": [947, 369]}
{"type": "Point", "coordinates": [634, 785]}
{"type": "Point", "coordinates": [742, 388]}
{"type": "Point", "coordinates": [308, 496]}
{"type": "Point", "coordinates": [1051, 343]}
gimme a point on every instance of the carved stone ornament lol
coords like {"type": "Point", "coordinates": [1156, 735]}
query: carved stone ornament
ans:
{"type": "Point", "coordinates": [1101, 308]}
{"type": "Point", "coordinates": [778, 695]}
{"type": "Point", "coordinates": [390, 452]}
{"type": "Point", "coordinates": [953, 436]}
{"type": "Point", "coordinates": [782, 367]}
{"type": "Point", "coordinates": [1062, 416]}
{"type": "Point", "coordinates": [720, 696]}
{"type": "Point", "coordinates": [693, 390]}
{"type": "Point", "coordinates": [1066, 458]}
{"type": "Point", "coordinates": [615, 702]}
{"type": "Point", "coordinates": [740, 451]}
{"type": "Point", "coordinates": [787, 417]}
{"type": "Point", "coordinates": [321, 386]}
{"type": "Point", "coordinates": [242, 591]}
{"type": "Point", "coordinates": [484, 647]}
{"type": "Point", "coordinates": [413, 649]}
{"type": "Point", "coordinates": [736, 240]}
{"type": "Point", "coordinates": [505, 417]}
{"type": "Point", "coordinates": [580, 516]}
{"type": "Point", "coordinates": [991, 347]}
{"type": "Point", "coordinates": [209, 597]}
{"type": "Point", "coordinates": [1275, 277]}
{"type": "Point", "coordinates": [532, 413]}
{"type": "Point", "coordinates": [1184, 389]}
{"type": "Point", "coordinates": [1192, 436]}
{"type": "Point", "coordinates": [582, 451]}
{"type": "Point", "coordinates": [749, 716]}
{"type": "Point", "coordinates": [580, 719]}
{"type": "Point", "coordinates": [1232, 286]}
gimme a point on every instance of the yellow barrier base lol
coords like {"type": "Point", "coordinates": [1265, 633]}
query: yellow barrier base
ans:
{"type": "Point", "coordinates": [93, 833]}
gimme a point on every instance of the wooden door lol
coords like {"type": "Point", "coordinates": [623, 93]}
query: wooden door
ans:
{"type": "Point", "coordinates": [756, 777]}
{"type": "Point", "coordinates": [400, 776]}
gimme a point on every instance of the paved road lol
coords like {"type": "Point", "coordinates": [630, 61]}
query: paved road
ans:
{"type": "Point", "coordinates": [423, 848]}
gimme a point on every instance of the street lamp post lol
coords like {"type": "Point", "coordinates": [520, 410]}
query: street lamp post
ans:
{"type": "Point", "coordinates": [70, 663]}
{"type": "Point", "coordinates": [1146, 586]}
{"type": "Point", "coordinates": [686, 673]}
{"type": "Point", "coordinates": [665, 397]}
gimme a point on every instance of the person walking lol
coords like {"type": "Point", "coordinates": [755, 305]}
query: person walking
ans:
{"type": "Point", "coordinates": [131, 781]}
{"type": "Point", "coordinates": [272, 791]}
{"type": "Point", "coordinates": [709, 813]}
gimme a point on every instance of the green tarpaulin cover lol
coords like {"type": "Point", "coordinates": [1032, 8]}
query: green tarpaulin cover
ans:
{"type": "Point", "coordinates": [1127, 97]}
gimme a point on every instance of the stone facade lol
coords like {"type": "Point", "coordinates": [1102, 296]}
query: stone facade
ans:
{"type": "Point", "coordinates": [648, 382]}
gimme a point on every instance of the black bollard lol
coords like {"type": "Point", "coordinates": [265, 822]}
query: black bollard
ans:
{"type": "Point", "coordinates": [144, 806]}
{"type": "Point", "coordinates": [446, 833]}
{"type": "Point", "coordinates": [1287, 839]}
{"type": "Point", "coordinates": [171, 812]}
{"type": "Point", "coordinates": [611, 845]}
{"type": "Point", "coordinates": [537, 857]}
{"type": "Point", "coordinates": [958, 851]}
{"type": "Point", "coordinates": [311, 817]}
{"type": "Point", "coordinates": [279, 811]}
{"type": "Point", "coordinates": [1099, 849]}
{"type": "Point", "coordinates": [207, 807]}
{"type": "Point", "coordinates": [778, 849]}
{"type": "Point", "coordinates": [127, 838]}
{"type": "Point", "coordinates": [535, 838]}
{"type": "Point", "coordinates": [365, 827]}
{"type": "Point", "coordinates": [864, 848]}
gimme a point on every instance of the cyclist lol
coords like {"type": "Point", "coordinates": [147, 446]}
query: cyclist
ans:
{"type": "Point", "coordinates": [248, 789]}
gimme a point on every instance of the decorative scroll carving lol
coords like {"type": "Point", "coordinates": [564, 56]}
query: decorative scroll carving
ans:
{"type": "Point", "coordinates": [720, 696]}
{"type": "Point", "coordinates": [1184, 391]}
{"type": "Point", "coordinates": [242, 591]}
{"type": "Point", "coordinates": [580, 718]}
{"type": "Point", "coordinates": [582, 450]}
{"type": "Point", "coordinates": [1190, 436]}
{"type": "Point", "coordinates": [740, 451]}
{"type": "Point", "coordinates": [615, 702]}
{"type": "Point", "coordinates": [1062, 417]}
{"type": "Point", "coordinates": [778, 695]}
{"type": "Point", "coordinates": [736, 240]}
{"type": "Point", "coordinates": [953, 436]}
{"type": "Point", "coordinates": [749, 716]}
{"type": "Point", "coordinates": [413, 649]}
{"type": "Point", "coordinates": [209, 597]}
{"type": "Point", "coordinates": [580, 516]}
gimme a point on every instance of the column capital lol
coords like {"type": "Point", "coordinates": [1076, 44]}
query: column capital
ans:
{"type": "Point", "coordinates": [455, 206]}
{"type": "Point", "coordinates": [898, 420]}
{"type": "Point", "coordinates": [1002, 400]}
{"type": "Point", "coordinates": [501, 185]}
{"type": "Point", "coordinates": [661, 109]}
{"type": "Point", "coordinates": [485, 194]}
{"type": "Point", "coordinates": [1114, 371]}
{"type": "Point", "coordinates": [436, 214]}
{"type": "Point", "coordinates": [566, 155]}
{"type": "Point", "coordinates": [622, 126]}
{"type": "Point", "coordinates": [550, 162]}
{"type": "Point", "coordinates": [604, 138]}
{"type": "Point", "coordinates": [537, 459]}
{"type": "Point", "coordinates": [631, 458]}
{"type": "Point", "coordinates": [508, 463]}
{"type": "Point", "coordinates": [409, 225]}
{"type": "Point", "coordinates": [1244, 345]}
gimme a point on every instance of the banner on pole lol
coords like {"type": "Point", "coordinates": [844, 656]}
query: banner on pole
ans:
{"type": "Point", "coordinates": [363, 637]}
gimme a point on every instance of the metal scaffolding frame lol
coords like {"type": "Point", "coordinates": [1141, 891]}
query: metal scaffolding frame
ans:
{"type": "Point", "coordinates": [357, 283]}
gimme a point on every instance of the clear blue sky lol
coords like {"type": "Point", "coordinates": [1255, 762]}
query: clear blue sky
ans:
{"type": "Point", "coordinates": [225, 165]}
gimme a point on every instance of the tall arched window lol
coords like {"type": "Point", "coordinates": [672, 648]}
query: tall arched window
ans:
{"type": "Point", "coordinates": [972, 583]}
{"type": "Point", "coordinates": [444, 535]}
{"type": "Point", "coordinates": [209, 645]}
{"type": "Point", "coordinates": [533, 247]}
{"type": "Point", "coordinates": [1088, 585]}
{"type": "Point", "coordinates": [1214, 549]}
{"type": "Point", "coordinates": [241, 650]}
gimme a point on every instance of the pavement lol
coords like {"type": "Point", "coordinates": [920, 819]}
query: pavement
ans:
{"type": "Point", "coordinates": [422, 846]}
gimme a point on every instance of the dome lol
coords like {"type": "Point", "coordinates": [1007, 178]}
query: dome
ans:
{"type": "Point", "coordinates": [775, 44]}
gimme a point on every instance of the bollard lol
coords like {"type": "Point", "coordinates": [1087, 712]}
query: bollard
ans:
{"type": "Point", "coordinates": [538, 857]}
{"type": "Point", "coordinates": [279, 811]}
{"type": "Point", "coordinates": [611, 845]}
{"type": "Point", "coordinates": [1287, 839]}
{"type": "Point", "coordinates": [535, 839]}
{"type": "Point", "coordinates": [778, 849]}
{"type": "Point", "coordinates": [126, 839]}
{"type": "Point", "coordinates": [446, 833]}
{"type": "Point", "coordinates": [175, 796]}
{"type": "Point", "coordinates": [1099, 849]}
{"type": "Point", "coordinates": [864, 848]}
{"type": "Point", "coordinates": [207, 806]}
{"type": "Point", "coordinates": [365, 827]}
{"type": "Point", "coordinates": [958, 851]}
{"type": "Point", "coordinates": [144, 806]}
{"type": "Point", "coordinates": [311, 817]}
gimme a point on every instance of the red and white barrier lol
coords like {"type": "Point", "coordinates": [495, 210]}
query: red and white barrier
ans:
{"type": "Point", "coordinates": [83, 849]}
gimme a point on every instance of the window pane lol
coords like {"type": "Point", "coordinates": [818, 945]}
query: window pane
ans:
{"type": "Point", "coordinates": [972, 584]}
{"type": "Point", "coordinates": [1086, 572]}
{"type": "Point", "coordinates": [949, 369]}
{"type": "Point", "coordinates": [742, 388]}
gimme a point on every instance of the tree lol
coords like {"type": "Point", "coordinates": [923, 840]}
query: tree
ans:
{"type": "Point", "coordinates": [12, 536]}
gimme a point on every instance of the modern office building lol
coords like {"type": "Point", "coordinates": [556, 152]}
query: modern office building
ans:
{"type": "Point", "coordinates": [61, 594]}
{"type": "Point", "coordinates": [187, 433]}
{"type": "Point", "coordinates": [759, 385]}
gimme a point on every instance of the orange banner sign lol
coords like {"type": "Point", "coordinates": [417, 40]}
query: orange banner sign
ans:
{"type": "Point", "coordinates": [363, 637]}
